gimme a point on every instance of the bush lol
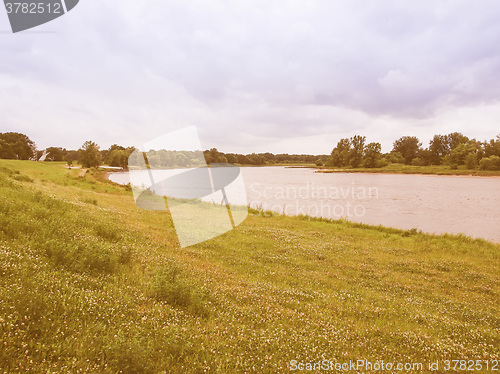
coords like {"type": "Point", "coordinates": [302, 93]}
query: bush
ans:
{"type": "Point", "coordinates": [395, 158]}
{"type": "Point", "coordinates": [382, 163]}
{"type": "Point", "coordinates": [169, 286]}
{"type": "Point", "coordinates": [490, 163]}
{"type": "Point", "coordinates": [471, 161]}
{"type": "Point", "coordinates": [22, 178]}
{"type": "Point", "coordinates": [80, 257]}
{"type": "Point", "coordinates": [417, 162]}
{"type": "Point", "coordinates": [319, 163]}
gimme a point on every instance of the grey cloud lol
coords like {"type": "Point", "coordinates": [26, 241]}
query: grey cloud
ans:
{"type": "Point", "coordinates": [258, 67]}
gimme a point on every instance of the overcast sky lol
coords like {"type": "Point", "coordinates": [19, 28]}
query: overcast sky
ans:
{"type": "Point", "coordinates": [281, 76]}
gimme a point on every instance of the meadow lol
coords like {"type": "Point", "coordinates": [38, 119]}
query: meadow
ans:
{"type": "Point", "coordinates": [89, 283]}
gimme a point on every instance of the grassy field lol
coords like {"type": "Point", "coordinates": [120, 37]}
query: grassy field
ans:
{"type": "Point", "coordinates": [411, 169]}
{"type": "Point", "coordinates": [90, 283]}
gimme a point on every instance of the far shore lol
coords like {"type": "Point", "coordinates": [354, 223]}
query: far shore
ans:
{"type": "Point", "coordinates": [396, 169]}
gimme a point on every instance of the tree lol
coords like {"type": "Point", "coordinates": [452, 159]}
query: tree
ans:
{"type": "Point", "coordinates": [372, 155]}
{"type": "Point", "coordinates": [256, 159]}
{"type": "Point", "coordinates": [16, 146]}
{"type": "Point", "coordinates": [118, 156]}
{"type": "Point", "coordinates": [90, 155]}
{"type": "Point", "coordinates": [454, 139]}
{"type": "Point", "coordinates": [438, 148]}
{"type": "Point", "coordinates": [340, 154]}
{"type": "Point", "coordinates": [490, 163]}
{"type": "Point", "coordinates": [394, 157]}
{"type": "Point", "coordinates": [55, 154]}
{"type": "Point", "coordinates": [357, 150]}
{"type": "Point", "coordinates": [425, 156]}
{"type": "Point", "coordinates": [471, 161]}
{"type": "Point", "coordinates": [408, 146]}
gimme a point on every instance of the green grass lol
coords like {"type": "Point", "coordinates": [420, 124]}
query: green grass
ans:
{"type": "Point", "coordinates": [91, 283]}
{"type": "Point", "coordinates": [411, 169]}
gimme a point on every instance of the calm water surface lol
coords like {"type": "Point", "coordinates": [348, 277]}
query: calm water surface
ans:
{"type": "Point", "coordinates": [431, 203]}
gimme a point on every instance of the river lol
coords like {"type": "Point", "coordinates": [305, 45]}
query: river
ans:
{"type": "Point", "coordinates": [431, 203]}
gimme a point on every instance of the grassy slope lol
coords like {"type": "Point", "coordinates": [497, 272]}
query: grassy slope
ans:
{"type": "Point", "coordinates": [91, 283]}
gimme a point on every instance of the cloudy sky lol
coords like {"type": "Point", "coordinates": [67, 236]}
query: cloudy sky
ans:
{"type": "Point", "coordinates": [289, 76]}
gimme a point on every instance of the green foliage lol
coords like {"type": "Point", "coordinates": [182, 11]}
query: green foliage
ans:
{"type": "Point", "coordinates": [357, 151]}
{"type": "Point", "coordinates": [417, 161]}
{"type": "Point", "coordinates": [471, 161]}
{"type": "Point", "coordinates": [372, 155]}
{"type": "Point", "coordinates": [340, 154]}
{"type": "Point", "coordinates": [408, 146]}
{"type": "Point", "coordinates": [395, 157]}
{"type": "Point", "coordinates": [16, 146]}
{"type": "Point", "coordinates": [89, 155]}
{"type": "Point", "coordinates": [383, 162]}
{"type": "Point", "coordinates": [117, 155]}
{"type": "Point", "coordinates": [55, 154]}
{"type": "Point", "coordinates": [490, 163]}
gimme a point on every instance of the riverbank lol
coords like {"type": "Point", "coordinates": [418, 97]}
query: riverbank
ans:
{"type": "Point", "coordinates": [411, 169]}
{"type": "Point", "coordinates": [91, 283]}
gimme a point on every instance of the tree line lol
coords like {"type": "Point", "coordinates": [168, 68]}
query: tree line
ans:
{"type": "Point", "coordinates": [19, 146]}
{"type": "Point", "coordinates": [454, 149]}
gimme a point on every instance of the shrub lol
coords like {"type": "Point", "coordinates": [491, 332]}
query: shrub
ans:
{"type": "Point", "coordinates": [80, 257]}
{"type": "Point", "coordinates": [490, 163]}
{"type": "Point", "coordinates": [382, 163]}
{"type": "Point", "coordinates": [319, 162]}
{"type": "Point", "coordinates": [169, 286]}
{"type": "Point", "coordinates": [417, 161]}
{"type": "Point", "coordinates": [471, 161]}
{"type": "Point", "coordinates": [22, 178]}
{"type": "Point", "coordinates": [395, 158]}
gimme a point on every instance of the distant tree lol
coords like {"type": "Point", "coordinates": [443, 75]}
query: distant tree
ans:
{"type": "Point", "coordinates": [408, 146]}
{"type": "Point", "coordinates": [242, 159]}
{"type": "Point", "coordinates": [490, 163]}
{"type": "Point", "coordinates": [454, 139]}
{"type": "Point", "coordinates": [256, 159]}
{"type": "Point", "coordinates": [340, 154]}
{"type": "Point", "coordinates": [55, 154]}
{"type": "Point", "coordinates": [118, 156]}
{"type": "Point", "coordinates": [471, 161]}
{"type": "Point", "coordinates": [72, 155]}
{"type": "Point", "coordinates": [231, 158]}
{"type": "Point", "coordinates": [492, 148]}
{"type": "Point", "coordinates": [426, 156]}
{"type": "Point", "coordinates": [438, 148]}
{"type": "Point", "coordinates": [212, 156]}
{"type": "Point", "coordinates": [417, 161]}
{"type": "Point", "coordinates": [372, 155]}
{"type": "Point", "coordinates": [16, 146]}
{"type": "Point", "coordinates": [394, 157]}
{"type": "Point", "coordinates": [357, 150]}
{"type": "Point", "coordinates": [90, 155]}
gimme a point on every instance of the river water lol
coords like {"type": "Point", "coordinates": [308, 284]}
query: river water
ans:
{"type": "Point", "coordinates": [431, 203]}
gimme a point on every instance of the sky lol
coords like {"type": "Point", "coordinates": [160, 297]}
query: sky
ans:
{"type": "Point", "coordinates": [284, 76]}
